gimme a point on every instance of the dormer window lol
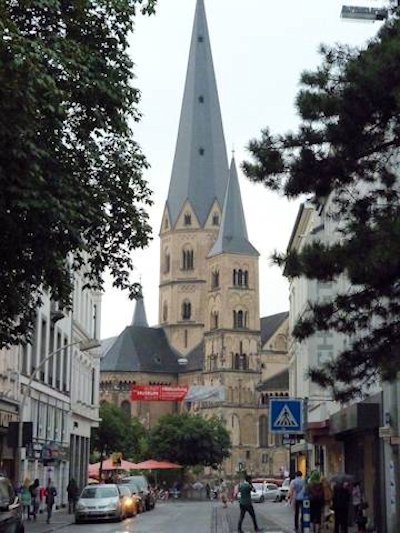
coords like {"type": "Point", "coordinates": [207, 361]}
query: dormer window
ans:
{"type": "Point", "coordinates": [215, 219]}
{"type": "Point", "coordinates": [201, 151]}
{"type": "Point", "coordinates": [187, 219]}
{"type": "Point", "coordinates": [201, 99]}
{"type": "Point", "coordinates": [200, 39]}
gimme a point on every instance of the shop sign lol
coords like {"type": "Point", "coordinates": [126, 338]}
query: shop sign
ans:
{"type": "Point", "coordinates": [158, 393]}
{"type": "Point", "coordinates": [395, 441]}
{"type": "Point", "coordinates": [385, 432]}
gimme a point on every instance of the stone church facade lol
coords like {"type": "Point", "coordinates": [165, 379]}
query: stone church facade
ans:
{"type": "Point", "coordinates": [208, 290]}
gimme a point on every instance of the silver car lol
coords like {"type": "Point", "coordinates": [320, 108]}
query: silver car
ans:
{"type": "Point", "coordinates": [99, 502]}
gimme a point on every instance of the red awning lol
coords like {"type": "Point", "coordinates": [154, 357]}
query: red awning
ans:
{"type": "Point", "coordinates": [151, 464]}
{"type": "Point", "coordinates": [108, 466]}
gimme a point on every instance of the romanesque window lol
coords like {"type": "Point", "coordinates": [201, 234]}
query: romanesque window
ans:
{"type": "Point", "coordinates": [240, 278]}
{"type": "Point", "coordinates": [215, 219]}
{"type": "Point", "coordinates": [263, 431]}
{"type": "Point", "coordinates": [240, 361]}
{"type": "Point", "coordinates": [215, 279]}
{"type": "Point", "coordinates": [240, 319]}
{"type": "Point", "coordinates": [186, 310]}
{"type": "Point", "coordinates": [187, 219]}
{"type": "Point", "coordinates": [165, 312]}
{"type": "Point", "coordinates": [187, 259]}
{"type": "Point", "coordinates": [186, 338]}
{"type": "Point", "coordinates": [214, 322]}
{"type": "Point", "coordinates": [167, 262]}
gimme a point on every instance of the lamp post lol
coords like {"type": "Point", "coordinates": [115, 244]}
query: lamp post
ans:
{"type": "Point", "coordinates": [83, 346]}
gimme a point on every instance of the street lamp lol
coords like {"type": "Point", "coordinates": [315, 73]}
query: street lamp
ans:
{"type": "Point", "coordinates": [83, 346]}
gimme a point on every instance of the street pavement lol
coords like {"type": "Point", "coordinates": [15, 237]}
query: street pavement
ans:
{"type": "Point", "coordinates": [176, 516]}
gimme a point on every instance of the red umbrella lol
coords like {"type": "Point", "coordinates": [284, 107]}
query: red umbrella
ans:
{"type": "Point", "coordinates": [108, 466]}
{"type": "Point", "coordinates": [151, 464]}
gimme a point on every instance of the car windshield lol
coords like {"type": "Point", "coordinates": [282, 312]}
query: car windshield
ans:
{"type": "Point", "coordinates": [140, 482]}
{"type": "Point", "coordinates": [99, 492]}
{"type": "Point", "coordinates": [258, 486]}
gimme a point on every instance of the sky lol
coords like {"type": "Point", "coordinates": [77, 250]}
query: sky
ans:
{"type": "Point", "coordinates": [260, 48]}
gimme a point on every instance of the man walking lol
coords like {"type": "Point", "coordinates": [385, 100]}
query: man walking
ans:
{"type": "Point", "coordinates": [51, 494]}
{"type": "Point", "coordinates": [245, 489]}
{"type": "Point", "coordinates": [296, 496]}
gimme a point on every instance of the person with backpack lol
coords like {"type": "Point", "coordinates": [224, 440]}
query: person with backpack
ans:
{"type": "Point", "coordinates": [315, 491]}
{"type": "Point", "coordinates": [35, 498]}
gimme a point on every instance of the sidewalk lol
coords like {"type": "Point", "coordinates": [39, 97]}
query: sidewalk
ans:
{"type": "Point", "coordinates": [60, 519]}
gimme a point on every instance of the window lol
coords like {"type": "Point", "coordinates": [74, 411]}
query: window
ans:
{"type": "Point", "coordinates": [240, 278]}
{"type": "Point", "coordinates": [215, 219]}
{"type": "Point", "coordinates": [186, 338]}
{"type": "Point", "coordinates": [239, 319]}
{"type": "Point", "coordinates": [200, 39]}
{"type": "Point", "coordinates": [186, 310]}
{"type": "Point", "coordinates": [201, 99]}
{"type": "Point", "coordinates": [263, 431]}
{"type": "Point", "coordinates": [201, 151]}
{"type": "Point", "coordinates": [43, 346]}
{"type": "Point", "coordinates": [187, 259]}
{"type": "Point", "coordinates": [240, 361]}
{"type": "Point", "coordinates": [248, 454]}
{"type": "Point", "coordinates": [165, 312]}
{"type": "Point", "coordinates": [167, 262]}
{"type": "Point", "coordinates": [214, 320]}
{"type": "Point", "coordinates": [215, 279]}
{"type": "Point", "coordinates": [187, 219]}
{"type": "Point", "coordinates": [166, 225]}
{"type": "Point", "coordinates": [126, 407]}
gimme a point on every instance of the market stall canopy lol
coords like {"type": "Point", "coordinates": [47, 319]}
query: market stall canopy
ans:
{"type": "Point", "coordinates": [152, 464]}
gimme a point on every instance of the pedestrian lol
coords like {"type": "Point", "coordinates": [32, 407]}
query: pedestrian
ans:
{"type": "Point", "coordinates": [315, 491]}
{"type": "Point", "coordinates": [26, 499]}
{"type": "Point", "coordinates": [245, 489]}
{"type": "Point", "coordinates": [50, 494]}
{"type": "Point", "coordinates": [73, 493]}
{"type": "Point", "coordinates": [208, 491]}
{"type": "Point", "coordinates": [35, 498]}
{"type": "Point", "coordinates": [340, 505]}
{"type": "Point", "coordinates": [223, 492]}
{"type": "Point", "coordinates": [296, 497]}
{"type": "Point", "coordinates": [356, 499]}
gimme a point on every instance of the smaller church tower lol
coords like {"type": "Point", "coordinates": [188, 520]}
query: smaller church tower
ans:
{"type": "Point", "coordinates": [232, 337]}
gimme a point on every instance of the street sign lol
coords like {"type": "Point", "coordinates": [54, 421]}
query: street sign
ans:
{"type": "Point", "coordinates": [285, 415]}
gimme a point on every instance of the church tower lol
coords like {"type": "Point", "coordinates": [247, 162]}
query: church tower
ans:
{"type": "Point", "coordinates": [193, 210]}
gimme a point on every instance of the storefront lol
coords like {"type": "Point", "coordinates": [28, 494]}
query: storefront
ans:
{"type": "Point", "coordinates": [8, 413]}
{"type": "Point", "coordinates": [357, 428]}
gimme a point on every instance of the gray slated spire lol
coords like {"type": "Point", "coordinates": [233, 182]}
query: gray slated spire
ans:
{"type": "Point", "coordinates": [232, 236]}
{"type": "Point", "coordinates": [200, 168]}
{"type": "Point", "coordinates": [139, 315]}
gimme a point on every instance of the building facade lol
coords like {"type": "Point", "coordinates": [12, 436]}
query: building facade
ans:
{"type": "Point", "coordinates": [209, 283]}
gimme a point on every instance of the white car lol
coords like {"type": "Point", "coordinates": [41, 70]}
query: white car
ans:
{"type": "Point", "coordinates": [284, 489]}
{"type": "Point", "coordinates": [100, 502]}
{"type": "Point", "coordinates": [264, 492]}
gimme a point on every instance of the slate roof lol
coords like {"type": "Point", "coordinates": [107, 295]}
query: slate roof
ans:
{"type": "Point", "coordinates": [200, 169]}
{"type": "Point", "coordinates": [232, 237]}
{"type": "Point", "coordinates": [195, 359]}
{"type": "Point", "coordinates": [278, 382]}
{"type": "Point", "coordinates": [141, 349]}
{"type": "Point", "coordinates": [139, 315]}
{"type": "Point", "coordinates": [269, 325]}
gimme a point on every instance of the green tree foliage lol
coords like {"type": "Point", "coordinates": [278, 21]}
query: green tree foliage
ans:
{"type": "Point", "coordinates": [347, 150]}
{"type": "Point", "coordinates": [190, 440]}
{"type": "Point", "coordinates": [71, 184]}
{"type": "Point", "coordinates": [119, 432]}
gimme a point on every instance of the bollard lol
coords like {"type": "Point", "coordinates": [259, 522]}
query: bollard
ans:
{"type": "Point", "coordinates": [306, 515]}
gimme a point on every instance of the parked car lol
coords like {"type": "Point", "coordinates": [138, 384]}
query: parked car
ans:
{"type": "Point", "coordinates": [100, 502]}
{"type": "Point", "coordinates": [145, 491]}
{"type": "Point", "coordinates": [274, 480]}
{"type": "Point", "coordinates": [284, 489]}
{"type": "Point", "coordinates": [129, 502]}
{"type": "Point", "coordinates": [10, 508]}
{"type": "Point", "coordinates": [264, 492]}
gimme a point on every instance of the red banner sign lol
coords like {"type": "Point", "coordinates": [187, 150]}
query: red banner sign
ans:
{"type": "Point", "coordinates": [158, 393]}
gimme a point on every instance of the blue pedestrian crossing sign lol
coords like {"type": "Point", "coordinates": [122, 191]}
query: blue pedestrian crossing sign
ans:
{"type": "Point", "coordinates": [285, 415]}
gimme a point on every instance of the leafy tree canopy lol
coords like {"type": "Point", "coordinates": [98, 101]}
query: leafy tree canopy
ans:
{"type": "Point", "coordinates": [190, 440]}
{"type": "Point", "coordinates": [71, 183]}
{"type": "Point", "coordinates": [346, 151]}
{"type": "Point", "coordinates": [118, 432]}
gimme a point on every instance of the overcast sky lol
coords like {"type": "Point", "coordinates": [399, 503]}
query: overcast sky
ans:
{"type": "Point", "coordinates": [260, 48]}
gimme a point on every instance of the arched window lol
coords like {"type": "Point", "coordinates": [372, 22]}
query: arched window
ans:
{"type": "Point", "coordinates": [167, 262]}
{"type": "Point", "coordinates": [214, 321]}
{"type": "Point", "coordinates": [187, 219]}
{"type": "Point", "coordinates": [126, 407]}
{"type": "Point", "coordinates": [215, 279]}
{"type": "Point", "coordinates": [263, 431]}
{"type": "Point", "coordinates": [239, 319]}
{"type": "Point", "coordinates": [186, 310]}
{"type": "Point", "coordinates": [215, 219]}
{"type": "Point", "coordinates": [246, 278]}
{"type": "Point", "coordinates": [187, 259]}
{"type": "Point", "coordinates": [240, 278]}
{"type": "Point", "coordinates": [165, 312]}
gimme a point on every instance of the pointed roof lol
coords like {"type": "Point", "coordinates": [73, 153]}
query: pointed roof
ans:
{"type": "Point", "coordinates": [139, 315]}
{"type": "Point", "coordinates": [200, 168]}
{"type": "Point", "coordinates": [270, 324]}
{"type": "Point", "coordinates": [232, 237]}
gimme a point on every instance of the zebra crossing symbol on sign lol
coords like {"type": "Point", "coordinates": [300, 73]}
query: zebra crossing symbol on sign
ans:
{"type": "Point", "coordinates": [286, 415]}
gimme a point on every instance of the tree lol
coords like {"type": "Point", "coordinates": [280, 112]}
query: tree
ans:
{"type": "Point", "coordinates": [72, 191]}
{"type": "Point", "coordinates": [190, 440]}
{"type": "Point", "coordinates": [347, 151]}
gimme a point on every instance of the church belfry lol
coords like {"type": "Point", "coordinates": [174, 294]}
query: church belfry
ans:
{"type": "Point", "coordinates": [193, 209]}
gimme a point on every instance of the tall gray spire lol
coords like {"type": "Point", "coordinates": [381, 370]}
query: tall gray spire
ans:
{"type": "Point", "coordinates": [200, 168]}
{"type": "Point", "coordinates": [232, 236]}
{"type": "Point", "coordinates": [139, 315]}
